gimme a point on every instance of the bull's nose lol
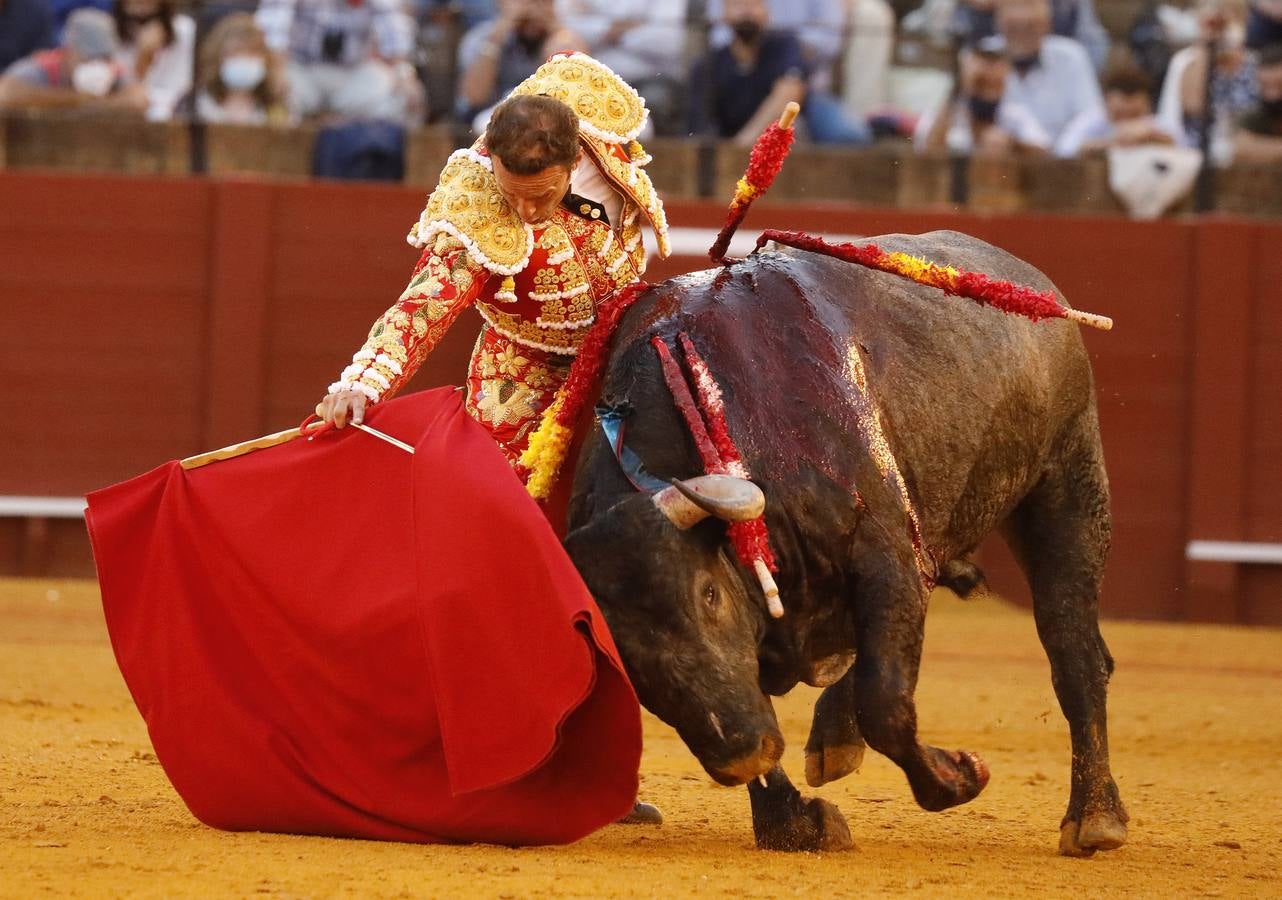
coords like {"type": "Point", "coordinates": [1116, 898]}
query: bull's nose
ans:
{"type": "Point", "coordinates": [758, 762]}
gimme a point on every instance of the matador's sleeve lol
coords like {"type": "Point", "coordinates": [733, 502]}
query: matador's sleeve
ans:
{"type": "Point", "coordinates": [446, 281]}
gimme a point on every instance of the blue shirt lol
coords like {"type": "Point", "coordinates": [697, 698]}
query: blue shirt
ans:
{"type": "Point", "coordinates": [724, 95]}
{"type": "Point", "coordinates": [25, 27]}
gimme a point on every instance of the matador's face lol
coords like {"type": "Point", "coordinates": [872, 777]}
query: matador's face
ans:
{"type": "Point", "coordinates": [533, 197]}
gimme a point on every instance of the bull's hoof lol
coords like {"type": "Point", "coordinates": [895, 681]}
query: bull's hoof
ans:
{"type": "Point", "coordinates": [831, 763]}
{"type": "Point", "coordinates": [1104, 830]}
{"type": "Point", "coordinates": [818, 825]}
{"type": "Point", "coordinates": [1096, 820]}
{"type": "Point", "coordinates": [643, 814]}
{"type": "Point", "coordinates": [835, 747]}
{"type": "Point", "coordinates": [951, 779]}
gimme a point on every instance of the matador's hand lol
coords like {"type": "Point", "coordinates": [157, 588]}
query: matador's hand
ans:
{"type": "Point", "coordinates": [336, 409]}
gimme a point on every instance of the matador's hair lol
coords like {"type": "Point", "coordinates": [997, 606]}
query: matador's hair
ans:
{"type": "Point", "coordinates": [530, 132]}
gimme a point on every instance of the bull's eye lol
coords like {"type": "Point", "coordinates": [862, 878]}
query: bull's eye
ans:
{"type": "Point", "coordinates": [711, 596]}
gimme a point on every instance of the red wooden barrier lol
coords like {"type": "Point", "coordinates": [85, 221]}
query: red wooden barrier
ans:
{"type": "Point", "coordinates": [145, 319]}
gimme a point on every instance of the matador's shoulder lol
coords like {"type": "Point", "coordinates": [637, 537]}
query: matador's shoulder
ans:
{"type": "Point", "coordinates": [467, 204]}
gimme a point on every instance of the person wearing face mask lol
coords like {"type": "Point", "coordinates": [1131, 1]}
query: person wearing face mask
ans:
{"type": "Point", "coordinates": [157, 46]}
{"type": "Point", "coordinates": [497, 55]}
{"type": "Point", "coordinates": [738, 89]}
{"type": "Point", "coordinates": [1259, 135]}
{"type": "Point", "coordinates": [235, 82]}
{"type": "Point", "coordinates": [1050, 76]}
{"type": "Point", "coordinates": [977, 118]}
{"type": "Point", "coordinates": [1181, 108]}
{"type": "Point", "coordinates": [80, 74]}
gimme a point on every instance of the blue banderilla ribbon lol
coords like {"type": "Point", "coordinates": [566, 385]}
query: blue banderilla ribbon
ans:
{"type": "Point", "coordinates": [614, 424]}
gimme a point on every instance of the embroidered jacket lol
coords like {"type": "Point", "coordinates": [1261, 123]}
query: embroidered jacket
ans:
{"type": "Point", "coordinates": [537, 285]}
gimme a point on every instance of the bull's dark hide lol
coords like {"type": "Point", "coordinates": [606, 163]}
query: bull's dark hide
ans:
{"type": "Point", "coordinates": [991, 420]}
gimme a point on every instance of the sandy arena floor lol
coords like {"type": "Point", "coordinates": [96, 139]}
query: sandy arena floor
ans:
{"type": "Point", "coordinates": [1196, 725]}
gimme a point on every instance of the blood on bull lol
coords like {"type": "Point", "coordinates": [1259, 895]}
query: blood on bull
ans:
{"type": "Point", "coordinates": [889, 430]}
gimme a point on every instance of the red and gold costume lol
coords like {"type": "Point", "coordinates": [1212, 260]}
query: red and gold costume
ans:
{"type": "Point", "coordinates": [536, 286]}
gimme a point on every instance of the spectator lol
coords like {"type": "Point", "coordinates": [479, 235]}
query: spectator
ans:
{"type": "Point", "coordinates": [156, 48]}
{"type": "Point", "coordinates": [25, 27]}
{"type": "Point", "coordinates": [737, 90]}
{"type": "Point", "coordinates": [1050, 75]}
{"type": "Point", "coordinates": [820, 25]}
{"type": "Point", "coordinates": [343, 58]}
{"type": "Point", "coordinates": [1128, 102]}
{"type": "Point", "coordinates": [1264, 24]}
{"type": "Point", "coordinates": [80, 74]}
{"type": "Point", "coordinates": [1181, 107]}
{"type": "Point", "coordinates": [236, 84]}
{"type": "Point", "coordinates": [1259, 136]}
{"type": "Point", "coordinates": [61, 9]}
{"type": "Point", "coordinates": [978, 118]}
{"type": "Point", "coordinates": [643, 41]}
{"type": "Point", "coordinates": [870, 48]}
{"type": "Point", "coordinates": [495, 56]}
{"type": "Point", "coordinates": [1076, 19]}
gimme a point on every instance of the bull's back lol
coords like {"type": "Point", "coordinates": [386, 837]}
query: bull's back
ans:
{"type": "Point", "coordinates": [971, 399]}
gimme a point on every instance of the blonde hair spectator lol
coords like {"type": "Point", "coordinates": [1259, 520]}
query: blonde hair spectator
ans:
{"type": "Point", "coordinates": [239, 79]}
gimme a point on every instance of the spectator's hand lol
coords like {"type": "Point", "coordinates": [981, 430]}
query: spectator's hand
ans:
{"type": "Point", "coordinates": [994, 141]}
{"type": "Point", "coordinates": [337, 409]}
{"type": "Point", "coordinates": [131, 98]}
{"type": "Point", "coordinates": [618, 29]}
{"type": "Point", "coordinates": [509, 15]}
{"type": "Point", "coordinates": [1140, 131]}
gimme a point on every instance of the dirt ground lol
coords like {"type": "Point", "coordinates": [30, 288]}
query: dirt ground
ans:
{"type": "Point", "coordinates": [1196, 720]}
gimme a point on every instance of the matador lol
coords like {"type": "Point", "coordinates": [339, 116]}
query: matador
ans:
{"type": "Point", "coordinates": [535, 225]}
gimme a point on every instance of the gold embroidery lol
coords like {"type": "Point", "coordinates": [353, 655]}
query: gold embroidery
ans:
{"type": "Point", "coordinates": [635, 185]}
{"type": "Point", "coordinates": [509, 361]}
{"type": "Point", "coordinates": [467, 198]}
{"type": "Point", "coordinates": [505, 402]}
{"type": "Point", "coordinates": [600, 98]}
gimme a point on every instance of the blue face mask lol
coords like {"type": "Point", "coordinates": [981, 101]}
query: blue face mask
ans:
{"type": "Point", "coordinates": [242, 73]}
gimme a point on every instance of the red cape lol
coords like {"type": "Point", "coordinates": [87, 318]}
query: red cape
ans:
{"type": "Point", "coordinates": [332, 636]}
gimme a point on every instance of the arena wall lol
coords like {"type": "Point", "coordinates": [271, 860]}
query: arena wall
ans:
{"type": "Point", "coordinates": [148, 318]}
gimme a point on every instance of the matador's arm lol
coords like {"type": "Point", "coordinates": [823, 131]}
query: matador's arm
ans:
{"type": "Point", "coordinates": [446, 281]}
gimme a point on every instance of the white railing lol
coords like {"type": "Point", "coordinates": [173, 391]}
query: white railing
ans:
{"type": "Point", "coordinates": [1235, 551]}
{"type": "Point", "coordinates": [42, 507]}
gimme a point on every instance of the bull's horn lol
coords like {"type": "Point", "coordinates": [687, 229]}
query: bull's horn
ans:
{"type": "Point", "coordinates": [686, 503]}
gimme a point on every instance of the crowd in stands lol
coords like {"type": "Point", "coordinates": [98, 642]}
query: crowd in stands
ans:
{"type": "Point", "coordinates": [985, 77]}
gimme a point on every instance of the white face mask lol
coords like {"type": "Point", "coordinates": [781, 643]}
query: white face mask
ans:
{"type": "Point", "coordinates": [94, 78]}
{"type": "Point", "coordinates": [242, 73]}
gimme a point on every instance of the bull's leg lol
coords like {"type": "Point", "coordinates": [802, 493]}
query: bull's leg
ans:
{"type": "Point", "coordinates": [835, 748]}
{"type": "Point", "coordinates": [782, 819]}
{"type": "Point", "coordinates": [890, 616]}
{"type": "Point", "coordinates": [1060, 534]}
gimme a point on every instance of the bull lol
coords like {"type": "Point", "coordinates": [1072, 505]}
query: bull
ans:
{"type": "Point", "coordinates": [991, 424]}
